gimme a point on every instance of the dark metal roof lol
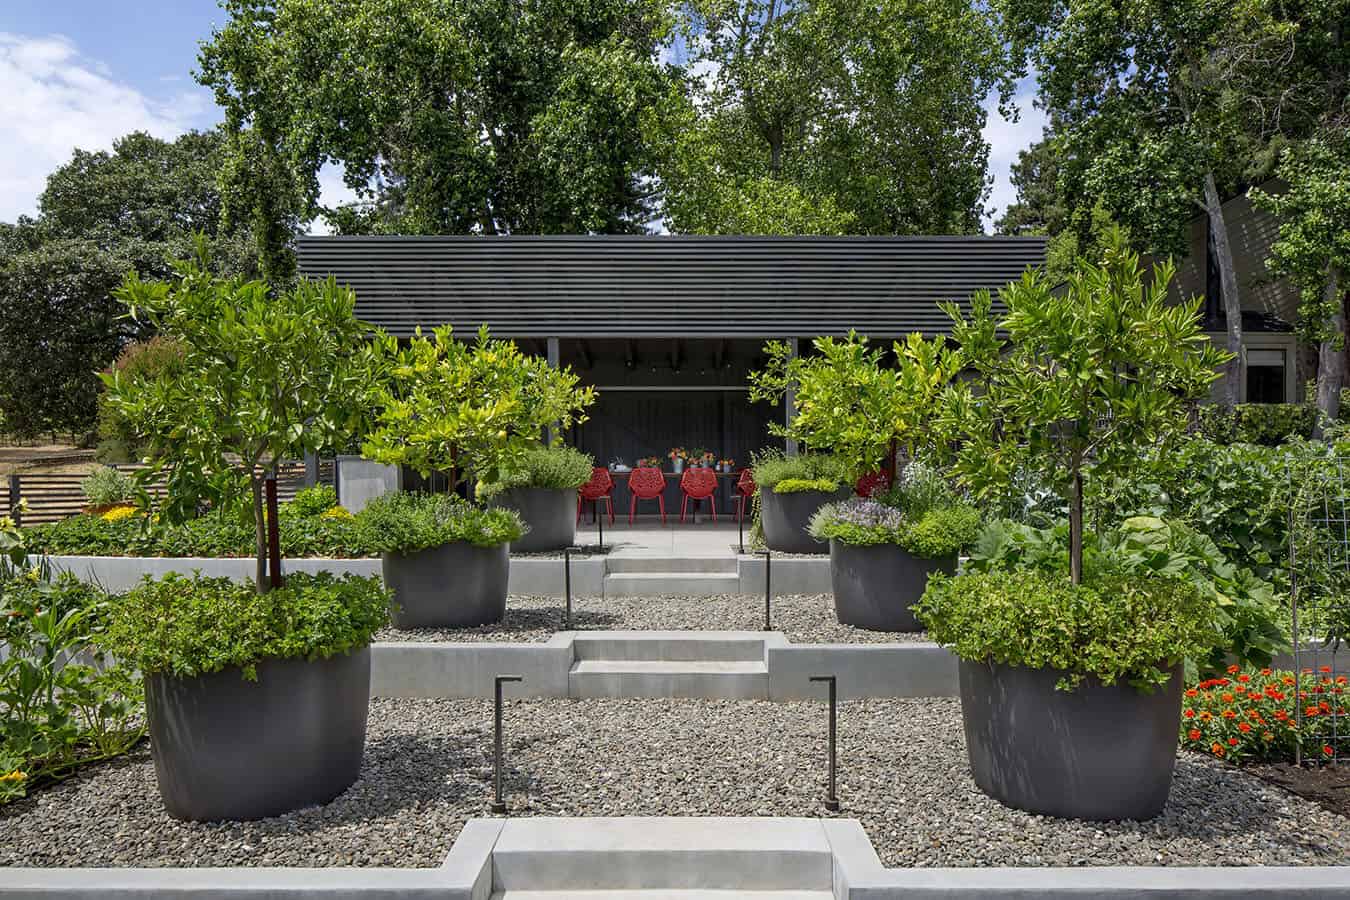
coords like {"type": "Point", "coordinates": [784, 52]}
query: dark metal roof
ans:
{"type": "Point", "coordinates": [666, 286]}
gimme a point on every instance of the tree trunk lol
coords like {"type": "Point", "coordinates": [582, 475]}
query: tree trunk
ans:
{"type": "Point", "coordinates": [1331, 357]}
{"type": "Point", "coordinates": [1235, 371]}
{"type": "Point", "coordinates": [1076, 529]}
{"type": "Point", "coordinates": [260, 534]}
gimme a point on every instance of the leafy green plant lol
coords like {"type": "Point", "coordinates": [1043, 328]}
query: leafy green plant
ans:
{"type": "Point", "coordinates": [311, 501]}
{"type": "Point", "coordinates": [106, 486]}
{"type": "Point", "coordinates": [1088, 378]}
{"type": "Point", "coordinates": [1249, 621]}
{"type": "Point", "coordinates": [402, 522]}
{"type": "Point", "coordinates": [1256, 423]}
{"type": "Point", "coordinates": [61, 703]}
{"type": "Point", "coordinates": [266, 375]}
{"type": "Point", "coordinates": [558, 468]}
{"type": "Point", "coordinates": [937, 532]}
{"type": "Point", "coordinates": [471, 410]}
{"type": "Point", "coordinates": [1115, 628]}
{"type": "Point", "coordinates": [803, 485]}
{"type": "Point", "coordinates": [773, 467]}
{"type": "Point", "coordinates": [119, 439]}
{"type": "Point", "coordinates": [186, 626]}
{"type": "Point", "coordinates": [857, 402]}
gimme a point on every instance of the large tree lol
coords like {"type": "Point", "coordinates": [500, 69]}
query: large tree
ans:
{"type": "Point", "coordinates": [1161, 104]}
{"type": "Point", "coordinates": [1040, 207]}
{"type": "Point", "coordinates": [105, 213]}
{"type": "Point", "coordinates": [832, 117]}
{"type": "Point", "coordinates": [448, 116]}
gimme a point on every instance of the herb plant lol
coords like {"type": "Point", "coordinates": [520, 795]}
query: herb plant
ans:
{"type": "Point", "coordinates": [106, 486]}
{"type": "Point", "coordinates": [773, 467]}
{"type": "Point", "coordinates": [558, 468]}
{"type": "Point", "coordinates": [404, 522]}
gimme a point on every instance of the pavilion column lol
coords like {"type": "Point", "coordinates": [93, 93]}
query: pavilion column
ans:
{"type": "Point", "coordinates": [790, 402]}
{"type": "Point", "coordinates": [554, 360]}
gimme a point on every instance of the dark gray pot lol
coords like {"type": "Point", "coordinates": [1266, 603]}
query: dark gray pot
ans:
{"type": "Point", "coordinates": [1097, 752]}
{"type": "Point", "coordinates": [551, 514]}
{"type": "Point", "coordinates": [874, 586]}
{"type": "Point", "coordinates": [784, 518]}
{"type": "Point", "coordinates": [227, 748]}
{"type": "Point", "coordinates": [451, 586]}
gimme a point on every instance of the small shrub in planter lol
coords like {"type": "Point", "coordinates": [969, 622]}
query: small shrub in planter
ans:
{"type": "Point", "coordinates": [106, 487]}
{"type": "Point", "coordinates": [1070, 693]}
{"type": "Point", "coordinates": [256, 702]}
{"type": "Point", "coordinates": [445, 560]}
{"type": "Point", "coordinates": [881, 554]}
{"type": "Point", "coordinates": [542, 489]}
{"type": "Point", "coordinates": [791, 489]}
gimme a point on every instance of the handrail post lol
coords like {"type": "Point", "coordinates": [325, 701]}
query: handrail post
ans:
{"type": "Point", "coordinates": [498, 804]}
{"type": "Point", "coordinates": [831, 797]}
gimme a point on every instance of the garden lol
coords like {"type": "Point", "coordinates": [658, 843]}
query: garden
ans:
{"type": "Point", "coordinates": [1136, 602]}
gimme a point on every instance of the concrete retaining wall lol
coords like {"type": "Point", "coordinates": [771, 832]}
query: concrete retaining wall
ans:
{"type": "Point", "coordinates": [789, 575]}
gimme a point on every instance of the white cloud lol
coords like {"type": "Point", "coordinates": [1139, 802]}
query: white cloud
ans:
{"type": "Point", "coordinates": [53, 100]}
{"type": "Point", "coordinates": [1006, 139]}
{"type": "Point", "coordinates": [333, 192]}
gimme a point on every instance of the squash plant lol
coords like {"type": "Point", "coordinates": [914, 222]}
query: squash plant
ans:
{"type": "Point", "coordinates": [266, 375]}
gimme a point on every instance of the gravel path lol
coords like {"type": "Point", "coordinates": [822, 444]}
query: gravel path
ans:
{"type": "Point", "coordinates": [902, 772]}
{"type": "Point", "coordinates": [806, 618]}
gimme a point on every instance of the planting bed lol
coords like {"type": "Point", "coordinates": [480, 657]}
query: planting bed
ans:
{"type": "Point", "coordinates": [902, 773]}
{"type": "Point", "coordinates": [805, 618]}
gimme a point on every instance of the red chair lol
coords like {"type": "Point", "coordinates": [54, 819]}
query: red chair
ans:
{"type": "Point", "coordinates": [745, 489]}
{"type": "Point", "coordinates": [698, 484]}
{"type": "Point", "coordinates": [646, 483]}
{"type": "Point", "coordinates": [873, 483]}
{"type": "Point", "coordinates": [600, 487]}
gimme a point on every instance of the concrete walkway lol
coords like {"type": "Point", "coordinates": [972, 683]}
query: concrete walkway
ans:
{"type": "Point", "coordinates": [648, 537]}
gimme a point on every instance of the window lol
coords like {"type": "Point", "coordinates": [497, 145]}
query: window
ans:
{"type": "Point", "coordinates": [1265, 376]}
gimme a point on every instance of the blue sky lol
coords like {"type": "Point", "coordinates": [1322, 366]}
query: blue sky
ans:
{"type": "Point", "coordinates": [79, 73]}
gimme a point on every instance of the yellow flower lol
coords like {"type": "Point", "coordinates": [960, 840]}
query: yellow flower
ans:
{"type": "Point", "coordinates": [118, 513]}
{"type": "Point", "coordinates": [336, 512]}
{"type": "Point", "coordinates": [16, 775]}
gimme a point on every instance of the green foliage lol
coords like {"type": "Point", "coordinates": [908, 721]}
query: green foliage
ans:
{"type": "Point", "coordinates": [195, 626]}
{"type": "Point", "coordinates": [471, 409]}
{"type": "Point", "coordinates": [119, 442]}
{"type": "Point", "coordinates": [1256, 423]}
{"type": "Point", "coordinates": [1116, 627]}
{"type": "Point", "coordinates": [773, 467]}
{"type": "Point", "coordinates": [1039, 208]}
{"type": "Point", "coordinates": [311, 501]}
{"type": "Point", "coordinates": [1088, 378]}
{"type": "Point", "coordinates": [1249, 622]}
{"type": "Point", "coordinates": [934, 533]}
{"type": "Point", "coordinates": [61, 705]}
{"type": "Point", "coordinates": [803, 485]}
{"type": "Point", "coordinates": [403, 522]}
{"type": "Point", "coordinates": [560, 468]}
{"type": "Point", "coordinates": [102, 213]}
{"type": "Point", "coordinates": [855, 402]}
{"type": "Point", "coordinates": [265, 376]}
{"type": "Point", "coordinates": [1248, 715]}
{"type": "Point", "coordinates": [846, 117]}
{"type": "Point", "coordinates": [106, 486]}
{"type": "Point", "coordinates": [495, 117]}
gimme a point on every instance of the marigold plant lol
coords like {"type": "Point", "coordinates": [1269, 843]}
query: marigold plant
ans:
{"type": "Point", "coordinates": [1249, 714]}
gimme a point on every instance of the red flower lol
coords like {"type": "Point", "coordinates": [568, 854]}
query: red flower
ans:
{"type": "Point", "coordinates": [1328, 750]}
{"type": "Point", "coordinates": [1192, 692]}
{"type": "Point", "coordinates": [1193, 734]}
{"type": "Point", "coordinates": [1188, 713]}
{"type": "Point", "coordinates": [1244, 727]}
{"type": "Point", "coordinates": [1244, 678]}
{"type": "Point", "coordinates": [1325, 669]}
{"type": "Point", "coordinates": [1232, 742]}
{"type": "Point", "coordinates": [1234, 668]}
{"type": "Point", "coordinates": [1266, 672]}
{"type": "Point", "coordinates": [1311, 711]}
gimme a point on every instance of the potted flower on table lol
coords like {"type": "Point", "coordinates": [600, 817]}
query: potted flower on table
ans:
{"type": "Point", "coordinates": [726, 465]}
{"type": "Point", "coordinates": [677, 457]}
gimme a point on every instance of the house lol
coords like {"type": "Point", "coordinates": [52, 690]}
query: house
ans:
{"type": "Point", "coordinates": [666, 327]}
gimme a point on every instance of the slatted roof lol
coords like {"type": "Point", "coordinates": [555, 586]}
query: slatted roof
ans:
{"type": "Point", "coordinates": [666, 286]}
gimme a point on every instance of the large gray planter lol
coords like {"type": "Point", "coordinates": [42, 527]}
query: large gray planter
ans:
{"type": "Point", "coordinates": [451, 586]}
{"type": "Point", "coordinates": [784, 518]}
{"type": "Point", "coordinates": [550, 513]}
{"type": "Point", "coordinates": [875, 586]}
{"type": "Point", "coordinates": [228, 748]}
{"type": "Point", "coordinates": [360, 480]}
{"type": "Point", "coordinates": [1097, 752]}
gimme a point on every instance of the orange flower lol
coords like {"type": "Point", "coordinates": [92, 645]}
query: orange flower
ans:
{"type": "Point", "coordinates": [1244, 727]}
{"type": "Point", "coordinates": [1194, 734]}
{"type": "Point", "coordinates": [1205, 716]}
{"type": "Point", "coordinates": [1233, 669]}
{"type": "Point", "coordinates": [1281, 715]}
{"type": "Point", "coordinates": [1268, 736]}
{"type": "Point", "coordinates": [1325, 669]}
{"type": "Point", "coordinates": [1229, 714]}
{"type": "Point", "coordinates": [1188, 713]}
{"type": "Point", "coordinates": [1244, 678]}
{"type": "Point", "coordinates": [1192, 692]}
{"type": "Point", "coordinates": [1216, 749]}
{"type": "Point", "coordinates": [1226, 698]}
{"type": "Point", "coordinates": [1287, 680]}
{"type": "Point", "coordinates": [1311, 711]}
{"type": "Point", "coordinates": [1266, 672]}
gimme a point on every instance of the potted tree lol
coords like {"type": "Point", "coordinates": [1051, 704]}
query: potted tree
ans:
{"type": "Point", "coordinates": [542, 490]}
{"type": "Point", "coordinates": [1071, 681]}
{"type": "Point", "coordinates": [466, 410]}
{"type": "Point", "coordinates": [256, 696]}
{"type": "Point", "coordinates": [883, 549]}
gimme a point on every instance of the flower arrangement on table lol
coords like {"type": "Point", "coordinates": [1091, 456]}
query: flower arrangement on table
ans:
{"type": "Point", "coordinates": [652, 461]}
{"type": "Point", "coordinates": [1248, 714]}
{"type": "Point", "coordinates": [701, 457]}
{"type": "Point", "coordinates": [726, 465]}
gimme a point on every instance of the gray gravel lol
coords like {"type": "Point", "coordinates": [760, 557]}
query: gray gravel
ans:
{"type": "Point", "coordinates": [805, 618]}
{"type": "Point", "coordinates": [902, 772]}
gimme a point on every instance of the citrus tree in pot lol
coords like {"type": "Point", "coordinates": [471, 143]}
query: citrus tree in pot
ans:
{"type": "Point", "coordinates": [883, 548]}
{"type": "Point", "coordinates": [256, 695]}
{"type": "Point", "coordinates": [1071, 682]}
{"type": "Point", "coordinates": [466, 409]}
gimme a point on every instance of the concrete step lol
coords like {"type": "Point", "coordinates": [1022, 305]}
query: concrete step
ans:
{"type": "Point", "coordinates": [664, 895]}
{"type": "Point", "coordinates": [623, 563]}
{"type": "Point", "coordinates": [669, 855]}
{"type": "Point", "coordinates": [707, 646]}
{"type": "Point", "coordinates": [671, 584]}
{"type": "Point", "coordinates": [720, 679]}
